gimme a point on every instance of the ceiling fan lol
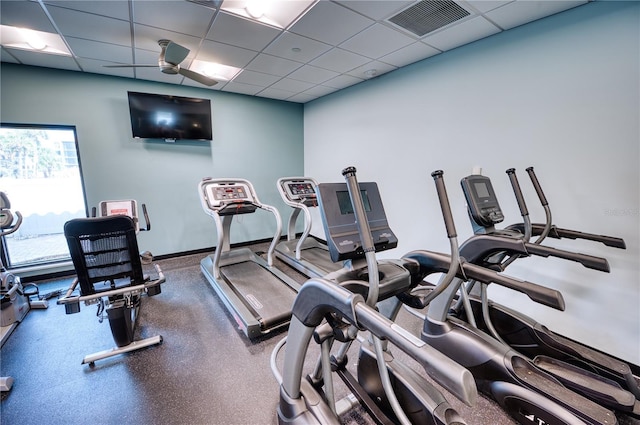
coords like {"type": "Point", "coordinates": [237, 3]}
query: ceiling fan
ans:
{"type": "Point", "coordinates": [169, 62]}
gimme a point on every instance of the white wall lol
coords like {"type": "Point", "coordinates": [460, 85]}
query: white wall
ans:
{"type": "Point", "coordinates": [560, 94]}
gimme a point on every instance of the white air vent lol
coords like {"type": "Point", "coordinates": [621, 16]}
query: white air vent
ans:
{"type": "Point", "coordinates": [429, 15]}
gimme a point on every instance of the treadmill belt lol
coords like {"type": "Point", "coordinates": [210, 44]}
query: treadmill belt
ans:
{"type": "Point", "coordinates": [263, 293]}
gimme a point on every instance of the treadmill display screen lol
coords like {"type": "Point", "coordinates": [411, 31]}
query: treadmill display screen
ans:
{"type": "Point", "coordinates": [298, 189]}
{"type": "Point", "coordinates": [229, 193]}
{"type": "Point", "coordinates": [344, 202]}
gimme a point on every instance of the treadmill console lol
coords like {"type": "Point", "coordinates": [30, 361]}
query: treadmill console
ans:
{"type": "Point", "coordinates": [228, 198]}
{"type": "Point", "coordinates": [481, 200]}
{"type": "Point", "coordinates": [300, 190]}
{"type": "Point", "coordinates": [343, 238]}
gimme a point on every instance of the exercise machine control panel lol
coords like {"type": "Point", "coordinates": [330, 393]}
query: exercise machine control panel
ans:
{"type": "Point", "coordinates": [341, 230]}
{"type": "Point", "coordinates": [481, 200]}
{"type": "Point", "coordinates": [128, 208]}
{"type": "Point", "coordinates": [227, 198]}
{"type": "Point", "coordinates": [299, 190]}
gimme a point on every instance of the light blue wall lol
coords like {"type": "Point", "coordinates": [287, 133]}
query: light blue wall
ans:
{"type": "Point", "coordinates": [561, 94]}
{"type": "Point", "coordinates": [254, 138]}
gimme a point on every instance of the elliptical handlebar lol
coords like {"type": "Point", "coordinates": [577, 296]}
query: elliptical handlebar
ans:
{"type": "Point", "coordinates": [536, 185]}
{"type": "Point", "coordinates": [146, 219]}
{"type": "Point", "coordinates": [511, 172]}
{"type": "Point", "coordinates": [445, 206]}
{"type": "Point", "coordinates": [362, 222]}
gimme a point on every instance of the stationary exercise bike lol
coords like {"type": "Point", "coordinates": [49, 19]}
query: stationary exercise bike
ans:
{"type": "Point", "coordinates": [602, 378]}
{"type": "Point", "coordinates": [108, 265]}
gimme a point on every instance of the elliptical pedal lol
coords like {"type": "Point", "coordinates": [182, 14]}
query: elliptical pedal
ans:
{"type": "Point", "coordinates": [596, 387]}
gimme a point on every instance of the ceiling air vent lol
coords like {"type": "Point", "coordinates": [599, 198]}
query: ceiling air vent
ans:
{"type": "Point", "coordinates": [428, 15]}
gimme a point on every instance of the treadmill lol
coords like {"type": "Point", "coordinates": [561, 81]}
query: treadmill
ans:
{"type": "Point", "coordinates": [305, 254]}
{"type": "Point", "coordinates": [258, 295]}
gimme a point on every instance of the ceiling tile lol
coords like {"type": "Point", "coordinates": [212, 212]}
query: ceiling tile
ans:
{"type": "Point", "coordinates": [312, 74]}
{"type": "Point", "coordinates": [97, 50]}
{"type": "Point", "coordinates": [147, 37]}
{"type": "Point", "coordinates": [333, 44]}
{"type": "Point", "coordinates": [378, 68]}
{"type": "Point", "coordinates": [27, 57]}
{"type": "Point", "coordinates": [25, 14]}
{"type": "Point", "coordinates": [319, 90]}
{"type": "Point", "coordinates": [118, 9]}
{"type": "Point", "coordinates": [409, 54]}
{"type": "Point", "coordinates": [241, 88]}
{"type": "Point", "coordinates": [339, 60]}
{"type": "Point", "coordinates": [483, 6]}
{"type": "Point", "coordinates": [342, 81]}
{"type": "Point", "coordinates": [462, 33]}
{"type": "Point", "coordinates": [297, 48]}
{"type": "Point", "coordinates": [273, 65]}
{"type": "Point", "coordinates": [97, 66]}
{"type": "Point", "coordinates": [178, 16]}
{"type": "Point", "coordinates": [255, 78]}
{"type": "Point", "coordinates": [272, 93]}
{"type": "Point", "coordinates": [91, 27]}
{"type": "Point", "coordinates": [302, 97]}
{"type": "Point", "coordinates": [291, 85]}
{"type": "Point", "coordinates": [521, 12]}
{"type": "Point", "coordinates": [225, 54]}
{"type": "Point", "coordinates": [241, 32]}
{"type": "Point", "coordinates": [375, 41]}
{"type": "Point", "coordinates": [376, 9]}
{"type": "Point", "coordinates": [343, 23]}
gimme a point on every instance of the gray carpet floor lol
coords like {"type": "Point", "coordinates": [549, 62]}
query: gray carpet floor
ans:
{"type": "Point", "coordinates": [205, 372]}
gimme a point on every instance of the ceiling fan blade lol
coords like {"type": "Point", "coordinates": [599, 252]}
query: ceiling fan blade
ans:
{"type": "Point", "coordinates": [130, 66]}
{"type": "Point", "coordinates": [174, 53]}
{"type": "Point", "coordinates": [203, 79]}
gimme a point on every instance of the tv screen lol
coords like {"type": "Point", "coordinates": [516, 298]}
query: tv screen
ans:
{"type": "Point", "coordinates": [157, 116]}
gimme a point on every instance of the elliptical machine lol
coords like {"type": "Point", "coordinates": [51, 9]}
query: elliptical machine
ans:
{"type": "Point", "coordinates": [14, 302]}
{"type": "Point", "coordinates": [526, 392]}
{"type": "Point", "coordinates": [389, 391]}
{"type": "Point", "coordinates": [602, 378]}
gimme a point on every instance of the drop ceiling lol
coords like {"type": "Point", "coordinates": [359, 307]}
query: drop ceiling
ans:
{"type": "Point", "coordinates": [297, 50]}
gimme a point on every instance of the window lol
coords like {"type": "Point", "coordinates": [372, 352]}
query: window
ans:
{"type": "Point", "coordinates": [40, 174]}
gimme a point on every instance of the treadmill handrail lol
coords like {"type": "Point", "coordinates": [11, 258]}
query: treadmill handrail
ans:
{"type": "Point", "coordinates": [298, 206]}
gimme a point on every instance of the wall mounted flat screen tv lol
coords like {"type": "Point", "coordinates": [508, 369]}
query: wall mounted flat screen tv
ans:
{"type": "Point", "coordinates": [157, 116]}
